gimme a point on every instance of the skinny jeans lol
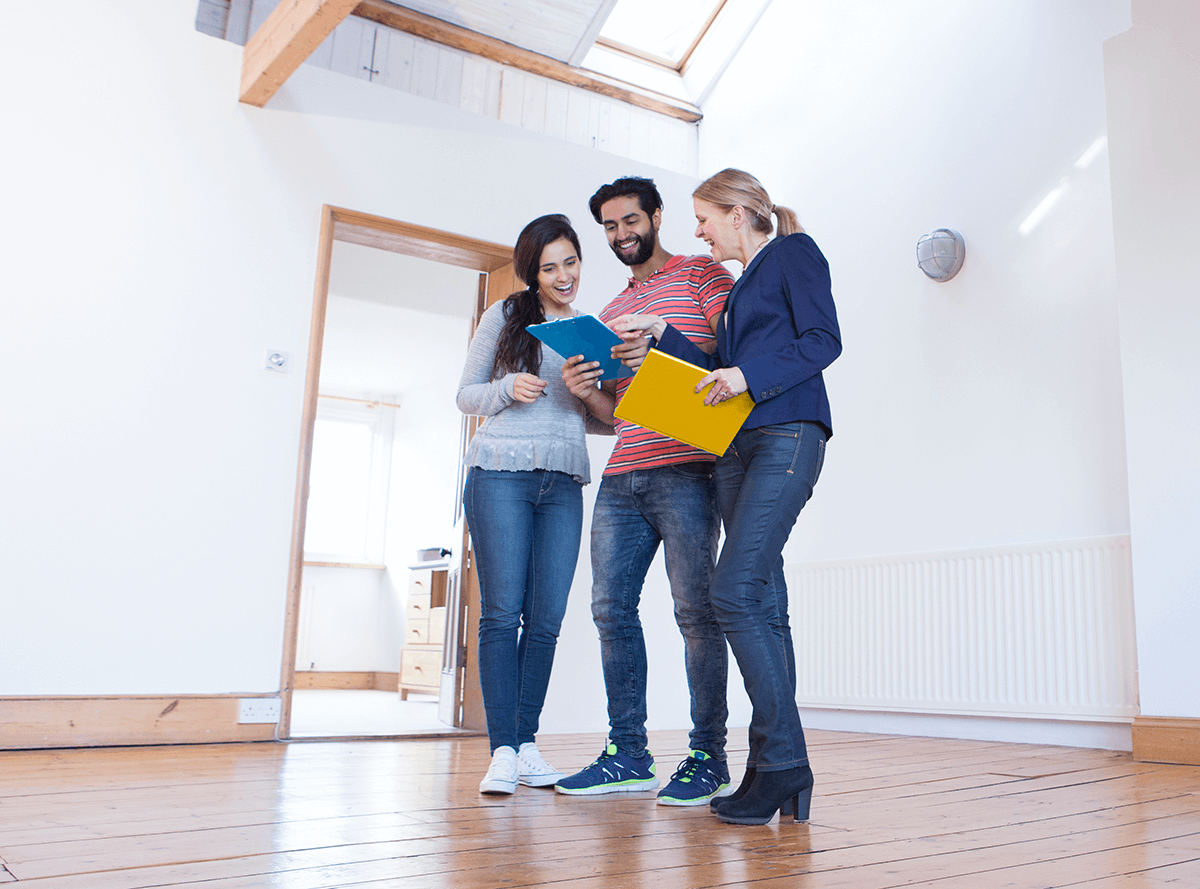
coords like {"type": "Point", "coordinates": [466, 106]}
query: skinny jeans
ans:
{"type": "Point", "coordinates": [635, 512]}
{"type": "Point", "coordinates": [525, 528]}
{"type": "Point", "coordinates": [764, 479]}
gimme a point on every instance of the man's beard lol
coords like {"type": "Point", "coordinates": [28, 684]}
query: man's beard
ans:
{"type": "Point", "coordinates": [645, 249]}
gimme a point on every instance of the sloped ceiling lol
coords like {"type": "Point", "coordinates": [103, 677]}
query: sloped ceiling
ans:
{"type": "Point", "coordinates": [560, 29]}
{"type": "Point", "coordinates": [548, 38]}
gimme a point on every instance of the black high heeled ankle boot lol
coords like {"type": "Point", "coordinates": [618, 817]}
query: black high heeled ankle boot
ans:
{"type": "Point", "coordinates": [771, 792]}
{"type": "Point", "coordinates": [718, 801]}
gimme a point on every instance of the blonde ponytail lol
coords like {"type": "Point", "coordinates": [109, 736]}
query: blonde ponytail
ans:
{"type": "Point", "coordinates": [788, 223]}
{"type": "Point", "coordinates": [736, 188]}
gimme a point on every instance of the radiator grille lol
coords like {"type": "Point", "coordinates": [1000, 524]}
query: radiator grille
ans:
{"type": "Point", "coordinates": [1037, 630]}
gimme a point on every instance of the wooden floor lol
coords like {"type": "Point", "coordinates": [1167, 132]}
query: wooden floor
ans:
{"type": "Point", "coordinates": [888, 811]}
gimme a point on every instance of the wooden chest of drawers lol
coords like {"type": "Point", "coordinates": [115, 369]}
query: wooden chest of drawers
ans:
{"type": "Point", "coordinates": [424, 632]}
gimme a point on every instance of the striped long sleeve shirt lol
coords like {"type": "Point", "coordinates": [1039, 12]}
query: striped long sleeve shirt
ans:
{"type": "Point", "coordinates": [689, 292]}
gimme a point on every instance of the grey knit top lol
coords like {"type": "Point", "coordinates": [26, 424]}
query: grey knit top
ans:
{"type": "Point", "coordinates": [548, 434]}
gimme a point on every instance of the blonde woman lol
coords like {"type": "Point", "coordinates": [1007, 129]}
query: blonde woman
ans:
{"type": "Point", "coordinates": [778, 333]}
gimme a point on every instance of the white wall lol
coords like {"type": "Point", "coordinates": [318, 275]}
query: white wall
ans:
{"type": "Point", "coordinates": [351, 620]}
{"type": "Point", "coordinates": [986, 410]}
{"type": "Point", "coordinates": [1152, 74]}
{"type": "Point", "coordinates": [159, 238]}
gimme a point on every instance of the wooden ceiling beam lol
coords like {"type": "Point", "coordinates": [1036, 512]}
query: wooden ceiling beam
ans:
{"type": "Point", "coordinates": [289, 35]}
{"type": "Point", "coordinates": [453, 36]}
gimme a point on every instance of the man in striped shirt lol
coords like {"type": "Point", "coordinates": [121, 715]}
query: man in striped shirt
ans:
{"type": "Point", "coordinates": [657, 490]}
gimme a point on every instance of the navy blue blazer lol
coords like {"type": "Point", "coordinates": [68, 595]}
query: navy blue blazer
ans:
{"type": "Point", "coordinates": [780, 328]}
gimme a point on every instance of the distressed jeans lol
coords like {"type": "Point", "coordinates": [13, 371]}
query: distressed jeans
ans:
{"type": "Point", "coordinates": [636, 511]}
{"type": "Point", "coordinates": [525, 529]}
{"type": "Point", "coordinates": [764, 479]}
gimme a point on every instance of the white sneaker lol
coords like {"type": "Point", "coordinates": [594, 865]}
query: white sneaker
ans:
{"type": "Point", "coordinates": [501, 775]}
{"type": "Point", "coordinates": [532, 770]}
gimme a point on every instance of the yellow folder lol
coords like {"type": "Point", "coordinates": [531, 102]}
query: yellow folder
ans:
{"type": "Point", "coordinates": [662, 397]}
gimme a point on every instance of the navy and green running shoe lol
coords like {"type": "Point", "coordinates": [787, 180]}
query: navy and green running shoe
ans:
{"type": "Point", "coordinates": [698, 779]}
{"type": "Point", "coordinates": [612, 772]}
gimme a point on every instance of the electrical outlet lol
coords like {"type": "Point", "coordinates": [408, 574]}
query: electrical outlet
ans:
{"type": "Point", "coordinates": [259, 710]}
{"type": "Point", "coordinates": [278, 361]}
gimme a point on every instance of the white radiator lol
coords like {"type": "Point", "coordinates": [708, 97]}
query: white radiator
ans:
{"type": "Point", "coordinates": [1043, 630]}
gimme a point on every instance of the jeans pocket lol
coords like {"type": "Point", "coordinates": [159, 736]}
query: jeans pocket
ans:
{"type": "Point", "coordinates": [782, 430]}
{"type": "Point", "coordinates": [819, 463]}
{"type": "Point", "coordinates": [697, 469]}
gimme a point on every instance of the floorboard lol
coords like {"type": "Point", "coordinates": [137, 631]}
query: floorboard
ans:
{"type": "Point", "coordinates": [888, 811]}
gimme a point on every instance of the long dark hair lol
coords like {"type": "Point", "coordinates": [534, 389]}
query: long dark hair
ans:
{"type": "Point", "coordinates": [516, 350]}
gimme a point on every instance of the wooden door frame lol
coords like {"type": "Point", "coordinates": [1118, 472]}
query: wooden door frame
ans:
{"type": "Point", "coordinates": [353, 227]}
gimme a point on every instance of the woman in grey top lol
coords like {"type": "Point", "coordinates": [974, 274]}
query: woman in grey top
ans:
{"type": "Point", "coordinates": [523, 497]}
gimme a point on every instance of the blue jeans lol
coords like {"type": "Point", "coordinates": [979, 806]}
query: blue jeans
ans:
{"type": "Point", "coordinates": [525, 530]}
{"type": "Point", "coordinates": [763, 481]}
{"type": "Point", "coordinates": [635, 511]}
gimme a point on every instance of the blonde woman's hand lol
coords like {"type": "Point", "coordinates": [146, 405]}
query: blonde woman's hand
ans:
{"type": "Point", "coordinates": [726, 383]}
{"type": "Point", "coordinates": [527, 388]}
{"type": "Point", "coordinates": [634, 331]}
{"type": "Point", "coordinates": [633, 327]}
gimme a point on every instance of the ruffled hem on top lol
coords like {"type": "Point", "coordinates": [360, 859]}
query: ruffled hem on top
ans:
{"type": "Point", "coordinates": [522, 455]}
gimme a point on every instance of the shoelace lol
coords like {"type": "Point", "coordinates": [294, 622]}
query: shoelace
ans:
{"type": "Point", "coordinates": [535, 764]}
{"type": "Point", "coordinates": [602, 759]}
{"type": "Point", "coordinates": [602, 762]}
{"type": "Point", "coordinates": [687, 770]}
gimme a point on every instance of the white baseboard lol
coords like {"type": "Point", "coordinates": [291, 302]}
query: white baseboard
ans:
{"type": "Point", "coordinates": [1094, 734]}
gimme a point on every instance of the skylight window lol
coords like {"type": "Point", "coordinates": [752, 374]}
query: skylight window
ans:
{"type": "Point", "coordinates": [661, 31]}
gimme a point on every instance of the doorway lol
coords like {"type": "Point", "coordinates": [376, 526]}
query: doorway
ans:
{"type": "Point", "coordinates": [394, 306]}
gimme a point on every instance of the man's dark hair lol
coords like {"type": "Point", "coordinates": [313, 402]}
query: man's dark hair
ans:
{"type": "Point", "coordinates": [629, 186]}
